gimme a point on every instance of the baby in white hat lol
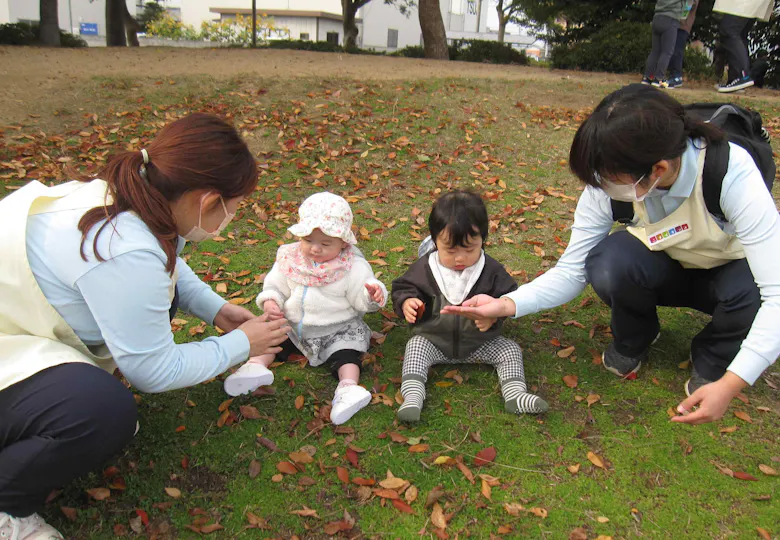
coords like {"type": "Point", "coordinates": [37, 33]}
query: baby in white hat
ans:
{"type": "Point", "coordinates": [324, 286]}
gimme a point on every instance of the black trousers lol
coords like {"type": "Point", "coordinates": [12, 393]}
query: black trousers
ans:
{"type": "Point", "coordinates": [55, 426]}
{"type": "Point", "coordinates": [733, 37]}
{"type": "Point", "coordinates": [335, 360]}
{"type": "Point", "coordinates": [634, 281]}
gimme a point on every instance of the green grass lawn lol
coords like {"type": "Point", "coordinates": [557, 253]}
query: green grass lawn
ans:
{"type": "Point", "coordinates": [605, 460]}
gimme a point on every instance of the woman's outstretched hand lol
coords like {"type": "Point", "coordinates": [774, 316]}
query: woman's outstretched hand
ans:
{"type": "Point", "coordinates": [483, 308]}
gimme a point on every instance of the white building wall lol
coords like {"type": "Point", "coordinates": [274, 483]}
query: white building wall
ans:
{"type": "Point", "coordinates": [460, 22]}
{"type": "Point", "coordinates": [193, 12]}
{"type": "Point", "coordinates": [378, 17]}
{"type": "Point", "coordinates": [328, 25]}
{"type": "Point", "coordinates": [71, 13]}
{"type": "Point", "coordinates": [5, 14]}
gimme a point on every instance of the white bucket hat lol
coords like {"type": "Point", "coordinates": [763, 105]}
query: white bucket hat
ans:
{"type": "Point", "coordinates": [327, 212]}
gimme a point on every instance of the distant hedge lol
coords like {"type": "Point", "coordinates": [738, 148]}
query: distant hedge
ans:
{"type": "Point", "coordinates": [29, 34]}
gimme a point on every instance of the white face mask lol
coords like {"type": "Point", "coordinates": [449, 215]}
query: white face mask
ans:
{"type": "Point", "coordinates": [626, 192]}
{"type": "Point", "coordinates": [198, 234]}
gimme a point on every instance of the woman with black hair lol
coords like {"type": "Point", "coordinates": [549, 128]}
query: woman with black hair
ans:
{"type": "Point", "coordinates": [640, 145]}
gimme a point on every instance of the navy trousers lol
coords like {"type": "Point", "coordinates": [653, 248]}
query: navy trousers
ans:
{"type": "Point", "coordinates": [634, 281]}
{"type": "Point", "coordinates": [55, 426]}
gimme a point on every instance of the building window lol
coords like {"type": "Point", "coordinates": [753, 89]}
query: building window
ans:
{"type": "Point", "coordinates": [392, 38]}
{"type": "Point", "coordinates": [332, 37]}
{"type": "Point", "coordinates": [456, 7]}
{"type": "Point", "coordinates": [472, 7]}
{"type": "Point", "coordinates": [304, 36]}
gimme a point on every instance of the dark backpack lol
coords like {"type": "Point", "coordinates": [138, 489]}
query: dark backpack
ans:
{"type": "Point", "coordinates": [743, 127]}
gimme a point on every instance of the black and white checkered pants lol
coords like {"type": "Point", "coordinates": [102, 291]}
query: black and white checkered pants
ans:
{"type": "Point", "coordinates": [502, 353]}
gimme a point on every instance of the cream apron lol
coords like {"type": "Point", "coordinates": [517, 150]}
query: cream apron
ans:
{"type": "Point", "coordinates": [33, 336]}
{"type": "Point", "coordinates": [689, 235]}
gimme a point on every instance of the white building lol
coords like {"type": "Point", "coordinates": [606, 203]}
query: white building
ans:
{"type": "Point", "coordinates": [75, 16]}
{"type": "Point", "coordinates": [386, 29]}
{"type": "Point", "coordinates": [380, 26]}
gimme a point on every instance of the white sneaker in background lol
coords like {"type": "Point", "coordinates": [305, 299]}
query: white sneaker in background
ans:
{"type": "Point", "coordinates": [32, 527]}
{"type": "Point", "coordinates": [347, 401]}
{"type": "Point", "coordinates": [248, 378]}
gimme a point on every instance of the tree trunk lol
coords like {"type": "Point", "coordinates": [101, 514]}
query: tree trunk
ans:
{"type": "Point", "coordinates": [433, 31]}
{"type": "Point", "coordinates": [349, 11]}
{"type": "Point", "coordinates": [115, 23]}
{"type": "Point", "coordinates": [502, 22]}
{"type": "Point", "coordinates": [50, 24]}
{"type": "Point", "coordinates": [132, 27]}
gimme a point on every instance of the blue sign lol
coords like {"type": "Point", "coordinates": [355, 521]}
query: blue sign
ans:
{"type": "Point", "coordinates": [88, 29]}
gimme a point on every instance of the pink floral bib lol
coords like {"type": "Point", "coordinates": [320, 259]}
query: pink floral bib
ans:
{"type": "Point", "coordinates": [304, 271]}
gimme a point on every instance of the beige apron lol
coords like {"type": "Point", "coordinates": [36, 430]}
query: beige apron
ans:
{"type": "Point", "coordinates": [689, 235]}
{"type": "Point", "coordinates": [33, 336]}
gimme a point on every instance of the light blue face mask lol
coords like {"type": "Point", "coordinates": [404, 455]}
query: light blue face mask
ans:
{"type": "Point", "coordinates": [626, 192]}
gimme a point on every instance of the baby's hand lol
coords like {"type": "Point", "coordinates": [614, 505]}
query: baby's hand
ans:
{"type": "Point", "coordinates": [375, 292]}
{"type": "Point", "coordinates": [485, 324]}
{"type": "Point", "coordinates": [410, 308]}
{"type": "Point", "coordinates": [273, 310]}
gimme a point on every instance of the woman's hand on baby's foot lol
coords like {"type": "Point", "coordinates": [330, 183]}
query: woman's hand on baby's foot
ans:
{"type": "Point", "coordinates": [375, 292]}
{"type": "Point", "coordinates": [410, 308]}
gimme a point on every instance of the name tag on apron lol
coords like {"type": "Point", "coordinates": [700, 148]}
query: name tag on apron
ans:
{"type": "Point", "coordinates": [657, 238]}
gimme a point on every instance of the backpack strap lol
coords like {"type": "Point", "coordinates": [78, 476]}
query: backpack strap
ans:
{"type": "Point", "coordinates": [622, 211]}
{"type": "Point", "coordinates": [716, 163]}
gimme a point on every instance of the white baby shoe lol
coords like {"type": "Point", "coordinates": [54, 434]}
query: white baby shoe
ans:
{"type": "Point", "coordinates": [248, 378]}
{"type": "Point", "coordinates": [347, 401]}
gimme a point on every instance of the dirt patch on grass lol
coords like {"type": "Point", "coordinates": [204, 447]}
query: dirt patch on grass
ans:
{"type": "Point", "coordinates": [202, 479]}
{"type": "Point", "coordinates": [38, 81]}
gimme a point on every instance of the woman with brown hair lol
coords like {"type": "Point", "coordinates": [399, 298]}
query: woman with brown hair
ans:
{"type": "Point", "coordinates": [89, 279]}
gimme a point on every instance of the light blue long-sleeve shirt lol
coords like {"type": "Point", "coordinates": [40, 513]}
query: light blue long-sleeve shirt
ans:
{"type": "Point", "coordinates": [751, 215]}
{"type": "Point", "coordinates": [124, 301]}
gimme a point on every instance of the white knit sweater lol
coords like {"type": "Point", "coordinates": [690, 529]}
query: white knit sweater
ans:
{"type": "Point", "coordinates": [318, 311]}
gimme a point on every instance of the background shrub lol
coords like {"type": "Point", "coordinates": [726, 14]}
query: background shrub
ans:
{"type": "Point", "coordinates": [27, 34]}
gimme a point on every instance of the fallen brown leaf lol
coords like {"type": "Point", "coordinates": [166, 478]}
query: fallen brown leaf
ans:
{"type": "Point", "coordinates": [437, 517]}
{"type": "Point", "coordinates": [570, 381]}
{"type": "Point", "coordinates": [343, 474]}
{"type": "Point", "coordinates": [254, 468]}
{"type": "Point", "coordinates": [286, 467]}
{"type": "Point", "coordinates": [742, 415]}
{"type": "Point", "coordinates": [402, 506]}
{"type": "Point", "coordinates": [305, 512]}
{"type": "Point", "coordinates": [596, 460]}
{"type": "Point", "coordinates": [393, 483]}
{"type": "Point", "coordinates": [485, 456]}
{"type": "Point", "coordinates": [513, 509]}
{"type": "Point", "coordinates": [567, 352]}
{"type": "Point", "coordinates": [99, 494]}
{"type": "Point", "coordinates": [173, 492]}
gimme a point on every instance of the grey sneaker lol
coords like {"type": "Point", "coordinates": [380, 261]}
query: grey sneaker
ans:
{"type": "Point", "coordinates": [624, 366]}
{"type": "Point", "coordinates": [695, 382]}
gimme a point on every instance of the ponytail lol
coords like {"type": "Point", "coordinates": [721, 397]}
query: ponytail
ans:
{"type": "Point", "coordinates": [199, 151]}
{"type": "Point", "coordinates": [129, 190]}
{"type": "Point", "coordinates": [631, 130]}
